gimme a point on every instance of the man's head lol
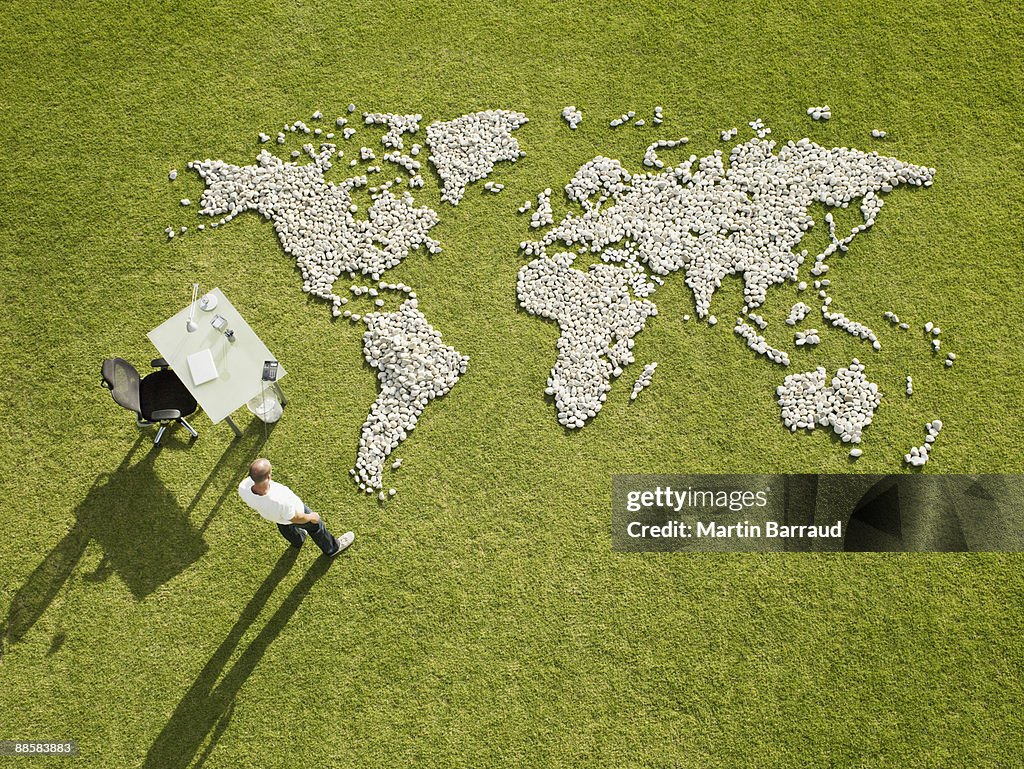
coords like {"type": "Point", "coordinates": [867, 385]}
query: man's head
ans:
{"type": "Point", "coordinates": [259, 471]}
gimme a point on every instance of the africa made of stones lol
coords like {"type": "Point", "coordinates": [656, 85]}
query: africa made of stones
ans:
{"type": "Point", "coordinates": [594, 273]}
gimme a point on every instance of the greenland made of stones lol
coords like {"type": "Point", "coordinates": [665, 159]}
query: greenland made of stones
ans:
{"type": "Point", "coordinates": [465, 149]}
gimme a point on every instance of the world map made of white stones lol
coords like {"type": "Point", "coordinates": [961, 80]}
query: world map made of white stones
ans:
{"type": "Point", "coordinates": [634, 230]}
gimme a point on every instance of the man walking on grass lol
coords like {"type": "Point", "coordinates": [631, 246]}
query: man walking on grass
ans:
{"type": "Point", "coordinates": [279, 504]}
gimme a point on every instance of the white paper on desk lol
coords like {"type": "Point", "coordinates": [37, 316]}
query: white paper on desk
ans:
{"type": "Point", "coordinates": [202, 366]}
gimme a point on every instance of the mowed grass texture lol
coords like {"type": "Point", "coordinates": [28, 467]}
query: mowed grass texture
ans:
{"type": "Point", "coordinates": [481, 619]}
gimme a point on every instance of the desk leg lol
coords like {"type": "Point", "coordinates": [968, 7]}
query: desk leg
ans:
{"type": "Point", "coordinates": [233, 426]}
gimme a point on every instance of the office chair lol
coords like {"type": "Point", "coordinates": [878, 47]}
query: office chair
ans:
{"type": "Point", "coordinates": [159, 399]}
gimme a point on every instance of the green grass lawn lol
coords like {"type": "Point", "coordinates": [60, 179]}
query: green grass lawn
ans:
{"type": "Point", "coordinates": [481, 619]}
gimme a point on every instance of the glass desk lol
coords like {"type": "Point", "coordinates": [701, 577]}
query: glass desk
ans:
{"type": "Point", "coordinates": [239, 363]}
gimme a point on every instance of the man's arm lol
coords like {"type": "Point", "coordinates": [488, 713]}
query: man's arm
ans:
{"type": "Point", "coordinates": [301, 517]}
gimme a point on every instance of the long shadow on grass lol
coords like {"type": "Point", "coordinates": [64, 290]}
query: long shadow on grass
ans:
{"type": "Point", "coordinates": [205, 711]}
{"type": "Point", "coordinates": [147, 539]}
{"type": "Point", "coordinates": [231, 467]}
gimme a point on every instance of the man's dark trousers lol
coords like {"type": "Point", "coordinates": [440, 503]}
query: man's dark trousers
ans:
{"type": "Point", "coordinates": [323, 538]}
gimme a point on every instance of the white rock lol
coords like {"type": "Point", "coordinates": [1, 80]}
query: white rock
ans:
{"type": "Point", "coordinates": [643, 381]}
{"type": "Point", "coordinates": [572, 116]}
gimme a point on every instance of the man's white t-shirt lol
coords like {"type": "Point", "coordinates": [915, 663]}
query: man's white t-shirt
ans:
{"type": "Point", "coordinates": [278, 505]}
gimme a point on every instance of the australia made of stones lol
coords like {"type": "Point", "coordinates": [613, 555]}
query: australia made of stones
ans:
{"type": "Point", "coordinates": [594, 272]}
{"type": "Point", "coordinates": [847, 405]}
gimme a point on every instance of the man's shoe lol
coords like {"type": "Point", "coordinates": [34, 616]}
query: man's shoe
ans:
{"type": "Point", "coordinates": [343, 542]}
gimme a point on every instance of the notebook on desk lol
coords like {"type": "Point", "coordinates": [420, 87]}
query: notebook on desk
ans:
{"type": "Point", "coordinates": [202, 367]}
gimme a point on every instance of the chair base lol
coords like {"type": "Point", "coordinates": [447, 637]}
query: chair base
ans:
{"type": "Point", "coordinates": [163, 428]}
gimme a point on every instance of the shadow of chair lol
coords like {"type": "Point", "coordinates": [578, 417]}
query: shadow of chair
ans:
{"type": "Point", "coordinates": [146, 537]}
{"type": "Point", "coordinates": [204, 713]}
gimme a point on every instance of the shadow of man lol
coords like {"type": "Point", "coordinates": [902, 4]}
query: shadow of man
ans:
{"type": "Point", "coordinates": [147, 539]}
{"type": "Point", "coordinates": [202, 716]}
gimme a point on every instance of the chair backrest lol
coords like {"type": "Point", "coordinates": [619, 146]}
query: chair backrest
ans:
{"type": "Point", "coordinates": [121, 378]}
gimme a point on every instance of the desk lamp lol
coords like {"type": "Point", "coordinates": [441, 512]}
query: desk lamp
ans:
{"type": "Point", "coordinates": [190, 324]}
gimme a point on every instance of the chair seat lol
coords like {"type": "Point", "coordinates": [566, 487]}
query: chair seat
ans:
{"type": "Point", "coordinates": [163, 390]}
